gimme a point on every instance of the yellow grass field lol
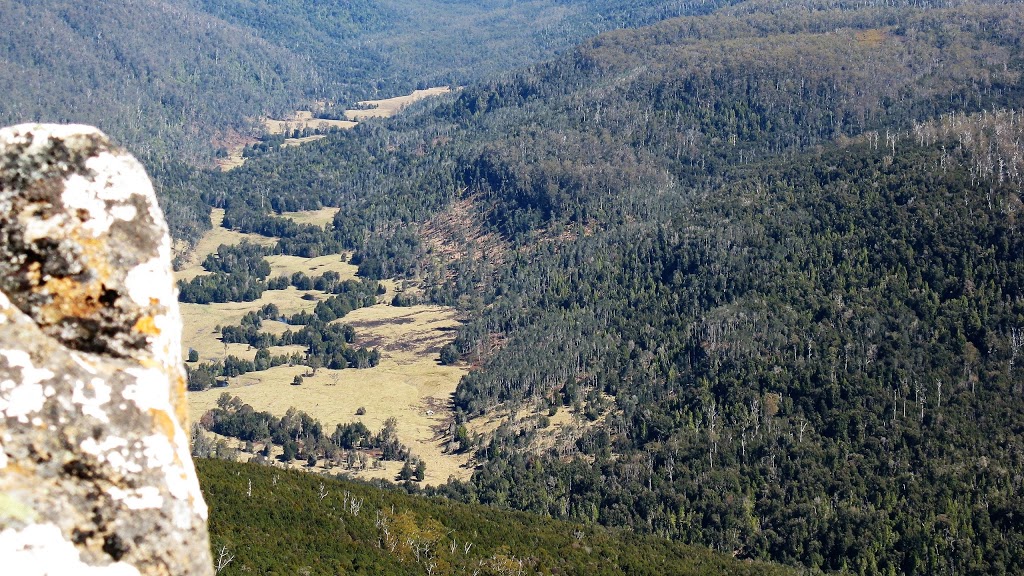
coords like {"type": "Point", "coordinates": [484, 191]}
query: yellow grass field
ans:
{"type": "Point", "coordinates": [211, 240]}
{"type": "Point", "coordinates": [409, 383]}
{"type": "Point", "coordinates": [300, 141]}
{"type": "Point", "coordinates": [322, 217]}
{"type": "Point", "coordinates": [200, 320]}
{"type": "Point", "coordinates": [305, 119]}
{"type": "Point", "coordinates": [388, 107]}
{"type": "Point", "coordinates": [233, 160]}
{"type": "Point", "coordinates": [301, 120]}
{"type": "Point", "coordinates": [281, 264]}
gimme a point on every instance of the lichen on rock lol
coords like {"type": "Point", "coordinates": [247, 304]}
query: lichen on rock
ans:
{"type": "Point", "coordinates": [92, 391]}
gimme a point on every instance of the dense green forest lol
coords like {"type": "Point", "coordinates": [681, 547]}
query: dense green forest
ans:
{"type": "Point", "coordinates": [269, 521]}
{"type": "Point", "coordinates": [767, 257]}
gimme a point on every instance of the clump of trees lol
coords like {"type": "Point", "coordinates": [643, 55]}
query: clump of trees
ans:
{"type": "Point", "coordinates": [302, 437]}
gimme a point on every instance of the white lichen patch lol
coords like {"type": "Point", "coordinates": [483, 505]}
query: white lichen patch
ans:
{"type": "Point", "coordinates": [80, 197]}
{"type": "Point", "coordinates": [113, 451]}
{"type": "Point", "coordinates": [145, 498]}
{"type": "Point", "coordinates": [41, 549]}
{"type": "Point", "coordinates": [36, 228]}
{"type": "Point", "coordinates": [100, 396]}
{"type": "Point", "coordinates": [125, 212]}
{"type": "Point", "coordinates": [122, 177]}
{"type": "Point", "coordinates": [152, 279]}
{"type": "Point", "coordinates": [151, 393]}
{"type": "Point", "coordinates": [179, 477]}
{"type": "Point", "coordinates": [83, 362]}
{"type": "Point", "coordinates": [38, 135]}
{"type": "Point", "coordinates": [25, 397]}
{"type": "Point", "coordinates": [150, 390]}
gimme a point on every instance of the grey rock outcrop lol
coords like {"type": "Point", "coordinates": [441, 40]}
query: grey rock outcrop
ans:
{"type": "Point", "coordinates": [95, 472]}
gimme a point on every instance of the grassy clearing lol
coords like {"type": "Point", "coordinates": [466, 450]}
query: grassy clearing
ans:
{"type": "Point", "coordinates": [301, 120]}
{"type": "Point", "coordinates": [300, 141]}
{"type": "Point", "coordinates": [281, 264]}
{"type": "Point", "coordinates": [562, 431]}
{"type": "Point", "coordinates": [409, 384]}
{"type": "Point", "coordinates": [321, 218]}
{"type": "Point", "coordinates": [872, 37]}
{"type": "Point", "coordinates": [200, 321]}
{"type": "Point", "coordinates": [233, 160]}
{"type": "Point", "coordinates": [306, 120]}
{"type": "Point", "coordinates": [390, 106]}
{"type": "Point", "coordinates": [208, 244]}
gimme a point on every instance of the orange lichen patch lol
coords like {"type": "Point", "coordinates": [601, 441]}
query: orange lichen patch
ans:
{"type": "Point", "coordinates": [872, 37]}
{"type": "Point", "coordinates": [180, 400]}
{"type": "Point", "coordinates": [69, 298]}
{"type": "Point", "coordinates": [146, 325]}
{"type": "Point", "coordinates": [163, 423]}
{"type": "Point", "coordinates": [34, 273]}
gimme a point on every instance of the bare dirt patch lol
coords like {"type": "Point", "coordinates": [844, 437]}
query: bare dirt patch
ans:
{"type": "Point", "coordinates": [458, 232]}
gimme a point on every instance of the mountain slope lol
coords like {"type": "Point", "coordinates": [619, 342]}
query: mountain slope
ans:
{"type": "Point", "coordinates": [272, 520]}
{"type": "Point", "coordinates": [175, 79]}
{"type": "Point", "coordinates": [767, 260]}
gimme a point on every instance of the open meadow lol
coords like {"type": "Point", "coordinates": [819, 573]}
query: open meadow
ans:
{"type": "Point", "coordinates": [388, 107]}
{"type": "Point", "coordinates": [409, 384]}
{"type": "Point", "coordinates": [307, 120]}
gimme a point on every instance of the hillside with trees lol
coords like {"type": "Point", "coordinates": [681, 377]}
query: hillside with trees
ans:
{"type": "Point", "coordinates": [266, 520]}
{"type": "Point", "coordinates": [175, 80]}
{"type": "Point", "coordinates": [767, 259]}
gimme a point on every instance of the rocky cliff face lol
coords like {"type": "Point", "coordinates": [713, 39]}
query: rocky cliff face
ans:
{"type": "Point", "coordinates": [95, 473]}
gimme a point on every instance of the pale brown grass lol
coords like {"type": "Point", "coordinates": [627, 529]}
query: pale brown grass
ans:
{"type": "Point", "coordinates": [321, 218]}
{"type": "Point", "coordinates": [390, 106]}
{"type": "Point", "coordinates": [233, 160]}
{"type": "Point", "coordinates": [200, 320]}
{"type": "Point", "coordinates": [408, 384]}
{"type": "Point", "coordinates": [208, 244]}
{"type": "Point", "coordinates": [872, 37]}
{"type": "Point", "coordinates": [300, 141]}
{"type": "Point", "coordinates": [281, 264]}
{"type": "Point", "coordinates": [301, 120]}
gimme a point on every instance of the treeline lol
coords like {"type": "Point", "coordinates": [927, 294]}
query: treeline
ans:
{"type": "Point", "coordinates": [238, 274]}
{"type": "Point", "coordinates": [300, 436]}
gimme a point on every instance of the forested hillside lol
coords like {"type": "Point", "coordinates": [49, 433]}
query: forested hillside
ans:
{"type": "Point", "coordinates": [767, 258]}
{"type": "Point", "coordinates": [176, 79]}
{"type": "Point", "coordinates": [269, 521]}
